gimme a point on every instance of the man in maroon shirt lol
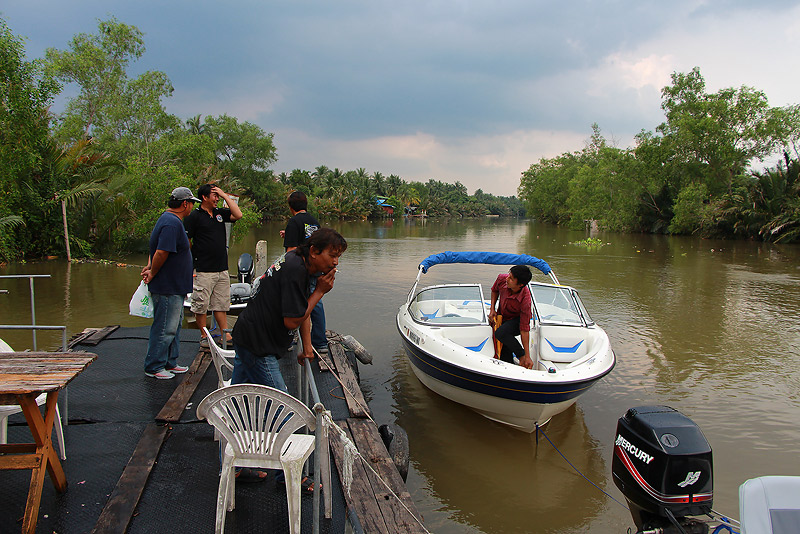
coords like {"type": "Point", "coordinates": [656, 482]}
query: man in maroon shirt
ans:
{"type": "Point", "coordinates": [515, 310]}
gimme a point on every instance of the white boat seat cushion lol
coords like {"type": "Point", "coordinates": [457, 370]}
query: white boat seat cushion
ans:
{"type": "Point", "coordinates": [564, 344]}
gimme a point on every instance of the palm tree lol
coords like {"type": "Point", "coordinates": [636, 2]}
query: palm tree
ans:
{"type": "Point", "coordinates": [196, 125]}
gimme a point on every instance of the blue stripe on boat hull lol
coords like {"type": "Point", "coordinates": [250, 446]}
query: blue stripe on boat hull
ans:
{"type": "Point", "coordinates": [537, 393]}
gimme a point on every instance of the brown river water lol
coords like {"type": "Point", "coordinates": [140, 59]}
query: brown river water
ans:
{"type": "Point", "coordinates": [711, 328]}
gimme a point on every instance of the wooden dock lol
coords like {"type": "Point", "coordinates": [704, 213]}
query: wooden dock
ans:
{"type": "Point", "coordinates": [377, 500]}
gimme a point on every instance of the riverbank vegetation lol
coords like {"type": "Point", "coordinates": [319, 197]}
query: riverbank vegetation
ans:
{"type": "Point", "coordinates": [694, 175]}
{"type": "Point", "coordinates": [97, 176]}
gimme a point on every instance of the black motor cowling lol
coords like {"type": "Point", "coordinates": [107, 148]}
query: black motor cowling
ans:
{"type": "Point", "coordinates": [246, 268]}
{"type": "Point", "coordinates": [662, 464]}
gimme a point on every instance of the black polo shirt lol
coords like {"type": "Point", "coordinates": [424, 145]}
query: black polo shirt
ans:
{"type": "Point", "coordinates": [207, 233]}
{"type": "Point", "coordinates": [282, 292]}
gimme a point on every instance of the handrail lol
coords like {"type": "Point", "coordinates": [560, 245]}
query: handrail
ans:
{"type": "Point", "coordinates": [306, 384]}
{"type": "Point", "coordinates": [34, 327]}
{"type": "Point", "coordinates": [30, 277]}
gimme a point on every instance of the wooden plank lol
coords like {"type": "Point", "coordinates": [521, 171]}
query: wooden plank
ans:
{"type": "Point", "coordinates": [100, 335]}
{"type": "Point", "coordinates": [327, 357]}
{"type": "Point", "coordinates": [80, 336]}
{"type": "Point", "coordinates": [352, 392]}
{"type": "Point", "coordinates": [119, 508]}
{"type": "Point", "coordinates": [176, 405]}
{"type": "Point", "coordinates": [370, 445]}
{"type": "Point", "coordinates": [361, 499]}
{"type": "Point", "coordinates": [20, 461]}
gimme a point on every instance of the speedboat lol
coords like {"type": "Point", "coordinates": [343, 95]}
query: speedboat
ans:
{"type": "Point", "coordinates": [449, 343]}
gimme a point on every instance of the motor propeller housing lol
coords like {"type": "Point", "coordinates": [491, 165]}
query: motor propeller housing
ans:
{"type": "Point", "coordinates": [663, 465]}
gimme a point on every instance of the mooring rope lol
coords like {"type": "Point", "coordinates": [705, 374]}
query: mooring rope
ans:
{"type": "Point", "coordinates": [322, 360]}
{"type": "Point", "coordinates": [350, 451]}
{"type": "Point", "coordinates": [727, 523]}
{"type": "Point", "coordinates": [539, 429]}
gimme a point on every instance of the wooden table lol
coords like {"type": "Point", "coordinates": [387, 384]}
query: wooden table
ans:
{"type": "Point", "coordinates": [24, 376]}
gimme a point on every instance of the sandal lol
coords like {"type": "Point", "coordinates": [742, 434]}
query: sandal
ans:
{"type": "Point", "coordinates": [250, 475]}
{"type": "Point", "coordinates": [306, 485]}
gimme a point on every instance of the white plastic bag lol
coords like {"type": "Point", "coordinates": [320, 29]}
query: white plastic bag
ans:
{"type": "Point", "coordinates": [141, 302]}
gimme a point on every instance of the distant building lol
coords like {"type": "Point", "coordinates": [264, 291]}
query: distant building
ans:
{"type": "Point", "coordinates": [385, 206]}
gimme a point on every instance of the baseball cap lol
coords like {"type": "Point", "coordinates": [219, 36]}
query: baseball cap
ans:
{"type": "Point", "coordinates": [183, 193]}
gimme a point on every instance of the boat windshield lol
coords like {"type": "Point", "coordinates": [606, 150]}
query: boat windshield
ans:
{"type": "Point", "coordinates": [450, 305]}
{"type": "Point", "coordinates": [558, 305]}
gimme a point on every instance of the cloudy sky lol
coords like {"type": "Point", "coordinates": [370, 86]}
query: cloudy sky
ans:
{"type": "Point", "coordinates": [450, 90]}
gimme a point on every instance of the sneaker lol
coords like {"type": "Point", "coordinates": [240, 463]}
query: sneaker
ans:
{"type": "Point", "coordinates": [177, 370]}
{"type": "Point", "coordinates": [204, 342]}
{"type": "Point", "coordinates": [161, 375]}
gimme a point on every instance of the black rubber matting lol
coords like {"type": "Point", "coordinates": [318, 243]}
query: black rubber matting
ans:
{"type": "Point", "coordinates": [109, 406]}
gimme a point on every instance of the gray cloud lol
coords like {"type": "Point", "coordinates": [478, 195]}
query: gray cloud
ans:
{"type": "Point", "coordinates": [471, 91]}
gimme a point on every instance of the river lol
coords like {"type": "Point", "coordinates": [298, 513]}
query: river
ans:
{"type": "Point", "coordinates": [708, 327]}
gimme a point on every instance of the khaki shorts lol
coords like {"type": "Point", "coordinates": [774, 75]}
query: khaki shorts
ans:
{"type": "Point", "coordinates": [212, 291]}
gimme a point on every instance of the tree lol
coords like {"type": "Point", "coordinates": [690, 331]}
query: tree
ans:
{"type": "Point", "coordinates": [720, 134]}
{"type": "Point", "coordinates": [124, 115]}
{"type": "Point", "coordinates": [246, 151]}
{"type": "Point", "coordinates": [25, 93]}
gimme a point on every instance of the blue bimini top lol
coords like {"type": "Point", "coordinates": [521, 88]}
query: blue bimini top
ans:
{"type": "Point", "coordinates": [489, 258]}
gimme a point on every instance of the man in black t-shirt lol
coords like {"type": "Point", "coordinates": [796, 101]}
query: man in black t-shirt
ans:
{"type": "Point", "coordinates": [205, 227]}
{"type": "Point", "coordinates": [298, 229]}
{"type": "Point", "coordinates": [282, 303]}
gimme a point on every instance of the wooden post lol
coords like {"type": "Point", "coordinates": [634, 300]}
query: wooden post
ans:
{"type": "Point", "coordinates": [261, 258]}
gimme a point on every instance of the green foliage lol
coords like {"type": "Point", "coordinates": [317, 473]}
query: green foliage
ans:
{"type": "Point", "coordinates": [689, 177]}
{"type": "Point", "coordinates": [690, 208]}
{"type": "Point", "coordinates": [589, 242]}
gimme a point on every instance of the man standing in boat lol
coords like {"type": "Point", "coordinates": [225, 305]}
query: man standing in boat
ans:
{"type": "Point", "coordinates": [169, 278]}
{"type": "Point", "coordinates": [205, 227]}
{"type": "Point", "coordinates": [515, 312]}
{"type": "Point", "coordinates": [298, 230]}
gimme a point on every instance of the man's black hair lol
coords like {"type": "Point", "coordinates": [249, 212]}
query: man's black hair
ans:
{"type": "Point", "coordinates": [204, 191]}
{"type": "Point", "coordinates": [322, 239]}
{"type": "Point", "coordinates": [522, 273]}
{"type": "Point", "coordinates": [298, 201]}
{"type": "Point", "coordinates": [175, 204]}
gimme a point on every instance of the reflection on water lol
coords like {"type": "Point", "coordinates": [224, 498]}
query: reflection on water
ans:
{"type": "Point", "coordinates": [483, 473]}
{"type": "Point", "coordinates": [708, 327]}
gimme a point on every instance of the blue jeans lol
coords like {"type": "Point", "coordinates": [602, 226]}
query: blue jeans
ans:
{"type": "Point", "coordinates": [318, 337]}
{"type": "Point", "coordinates": [251, 369]}
{"type": "Point", "coordinates": [163, 347]}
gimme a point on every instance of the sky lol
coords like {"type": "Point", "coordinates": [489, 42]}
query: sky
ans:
{"type": "Point", "coordinates": [465, 91]}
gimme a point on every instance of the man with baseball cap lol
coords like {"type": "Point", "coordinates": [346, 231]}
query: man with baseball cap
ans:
{"type": "Point", "coordinates": [169, 278]}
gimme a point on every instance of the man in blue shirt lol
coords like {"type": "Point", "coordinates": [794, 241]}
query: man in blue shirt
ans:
{"type": "Point", "coordinates": [169, 278]}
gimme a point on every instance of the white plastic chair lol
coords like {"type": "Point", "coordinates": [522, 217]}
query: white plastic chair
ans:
{"type": "Point", "coordinates": [258, 424]}
{"type": "Point", "coordinates": [223, 365]}
{"type": "Point", "coordinates": [222, 361]}
{"type": "Point", "coordinates": [11, 409]}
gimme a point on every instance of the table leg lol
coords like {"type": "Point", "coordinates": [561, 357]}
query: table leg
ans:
{"type": "Point", "coordinates": [42, 430]}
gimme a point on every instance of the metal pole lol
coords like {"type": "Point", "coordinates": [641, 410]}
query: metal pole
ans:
{"type": "Point", "coordinates": [65, 403]}
{"type": "Point", "coordinates": [33, 313]}
{"type": "Point", "coordinates": [318, 408]}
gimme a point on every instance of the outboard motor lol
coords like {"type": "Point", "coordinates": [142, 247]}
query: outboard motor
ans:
{"type": "Point", "coordinates": [241, 290]}
{"type": "Point", "coordinates": [662, 464]}
{"type": "Point", "coordinates": [246, 268]}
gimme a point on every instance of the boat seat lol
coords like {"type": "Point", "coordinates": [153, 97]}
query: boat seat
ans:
{"type": "Point", "coordinates": [475, 338]}
{"type": "Point", "coordinates": [563, 344]}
